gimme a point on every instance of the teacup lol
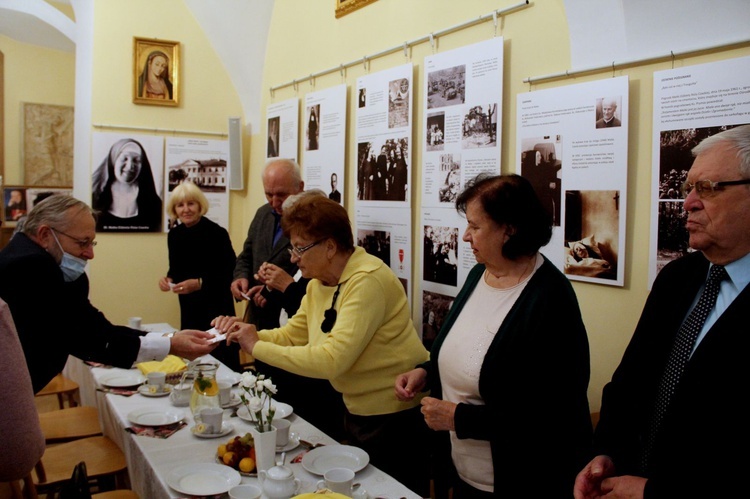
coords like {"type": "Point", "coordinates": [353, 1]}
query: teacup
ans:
{"type": "Point", "coordinates": [246, 491]}
{"type": "Point", "coordinates": [155, 381]}
{"type": "Point", "coordinates": [339, 480]}
{"type": "Point", "coordinates": [282, 431]}
{"type": "Point", "coordinates": [225, 392]}
{"type": "Point", "coordinates": [181, 394]}
{"type": "Point", "coordinates": [212, 417]}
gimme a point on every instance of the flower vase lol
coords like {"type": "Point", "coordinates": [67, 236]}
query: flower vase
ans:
{"type": "Point", "coordinates": [265, 447]}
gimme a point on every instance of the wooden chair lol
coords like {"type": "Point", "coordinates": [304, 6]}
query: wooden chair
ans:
{"type": "Point", "coordinates": [70, 424]}
{"type": "Point", "coordinates": [104, 458]}
{"type": "Point", "coordinates": [64, 388]}
{"type": "Point", "coordinates": [78, 487]}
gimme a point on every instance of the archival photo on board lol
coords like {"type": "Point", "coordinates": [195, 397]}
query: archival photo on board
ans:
{"type": "Point", "coordinates": [446, 87]}
{"type": "Point", "coordinates": [435, 133]}
{"type": "Point", "coordinates": [377, 243]}
{"type": "Point", "coordinates": [673, 237]}
{"type": "Point", "coordinates": [435, 308]}
{"type": "Point", "coordinates": [383, 170]}
{"type": "Point", "coordinates": [608, 113]}
{"type": "Point", "coordinates": [126, 185]}
{"type": "Point", "coordinates": [273, 137]}
{"type": "Point", "coordinates": [480, 126]}
{"type": "Point", "coordinates": [440, 256]}
{"type": "Point", "coordinates": [541, 166]}
{"type": "Point", "coordinates": [450, 178]}
{"type": "Point", "coordinates": [398, 103]}
{"type": "Point", "coordinates": [313, 127]}
{"type": "Point", "coordinates": [14, 201]}
{"type": "Point", "coordinates": [592, 233]}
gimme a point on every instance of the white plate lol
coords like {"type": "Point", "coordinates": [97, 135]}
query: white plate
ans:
{"type": "Point", "coordinates": [155, 417]}
{"type": "Point", "coordinates": [232, 377]}
{"type": "Point", "coordinates": [233, 402]}
{"type": "Point", "coordinates": [321, 459]}
{"type": "Point", "coordinates": [122, 380]}
{"type": "Point", "coordinates": [144, 390]}
{"type": "Point", "coordinates": [203, 479]}
{"type": "Point", "coordinates": [226, 429]}
{"type": "Point", "coordinates": [291, 445]}
{"type": "Point", "coordinates": [282, 411]}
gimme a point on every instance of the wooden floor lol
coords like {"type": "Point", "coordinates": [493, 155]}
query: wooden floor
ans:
{"type": "Point", "coordinates": [43, 404]}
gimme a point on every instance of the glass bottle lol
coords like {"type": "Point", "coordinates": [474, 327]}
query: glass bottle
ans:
{"type": "Point", "coordinates": [205, 388]}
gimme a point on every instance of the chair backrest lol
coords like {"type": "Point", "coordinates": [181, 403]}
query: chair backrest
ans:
{"type": "Point", "coordinates": [78, 485]}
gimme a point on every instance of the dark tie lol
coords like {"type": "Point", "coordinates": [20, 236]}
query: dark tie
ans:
{"type": "Point", "coordinates": [678, 357]}
{"type": "Point", "coordinates": [278, 232]}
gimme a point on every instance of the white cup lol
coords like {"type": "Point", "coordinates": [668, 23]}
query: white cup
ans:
{"type": "Point", "coordinates": [337, 480]}
{"type": "Point", "coordinates": [245, 491]}
{"type": "Point", "coordinates": [282, 431]}
{"type": "Point", "coordinates": [359, 492]}
{"type": "Point", "coordinates": [156, 380]}
{"type": "Point", "coordinates": [134, 322]}
{"type": "Point", "coordinates": [225, 392]}
{"type": "Point", "coordinates": [181, 394]}
{"type": "Point", "coordinates": [211, 417]}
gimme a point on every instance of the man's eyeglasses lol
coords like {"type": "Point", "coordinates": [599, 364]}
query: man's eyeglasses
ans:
{"type": "Point", "coordinates": [706, 188]}
{"type": "Point", "coordinates": [82, 243]}
{"type": "Point", "coordinates": [298, 252]}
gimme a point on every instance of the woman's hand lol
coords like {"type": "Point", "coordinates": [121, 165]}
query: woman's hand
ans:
{"type": "Point", "coordinates": [439, 414]}
{"type": "Point", "coordinates": [237, 332]}
{"type": "Point", "coordinates": [274, 277]}
{"type": "Point", "coordinates": [186, 287]}
{"type": "Point", "coordinates": [410, 383]}
{"type": "Point", "coordinates": [164, 283]}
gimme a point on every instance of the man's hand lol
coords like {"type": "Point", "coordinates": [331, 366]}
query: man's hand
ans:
{"type": "Point", "coordinates": [191, 344]}
{"type": "Point", "coordinates": [239, 287]}
{"type": "Point", "coordinates": [589, 482]}
{"type": "Point", "coordinates": [237, 332]}
{"type": "Point", "coordinates": [274, 277]}
{"type": "Point", "coordinates": [255, 295]}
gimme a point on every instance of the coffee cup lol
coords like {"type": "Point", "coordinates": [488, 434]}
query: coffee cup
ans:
{"type": "Point", "coordinates": [225, 392]}
{"type": "Point", "coordinates": [212, 417]}
{"type": "Point", "coordinates": [134, 322]}
{"type": "Point", "coordinates": [246, 491]}
{"type": "Point", "coordinates": [282, 431]}
{"type": "Point", "coordinates": [337, 480]}
{"type": "Point", "coordinates": [181, 394]}
{"type": "Point", "coordinates": [156, 381]}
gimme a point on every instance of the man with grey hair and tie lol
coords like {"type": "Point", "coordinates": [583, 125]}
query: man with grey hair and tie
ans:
{"type": "Point", "coordinates": [673, 421]}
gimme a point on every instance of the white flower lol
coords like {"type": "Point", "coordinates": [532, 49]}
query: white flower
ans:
{"type": "Point", "coordinates": [248, 380]}
{"type": "Point", "coordinates": [259, 385]}
{"type": "Point", "coordinates": [269, 386]}
{"type": "Point", "coordinates": [255, 404]}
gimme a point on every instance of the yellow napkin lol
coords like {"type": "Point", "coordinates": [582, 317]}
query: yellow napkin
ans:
{"type": "Point", "coordinates": [320, 494]}
{"type": "Point", "coordinates": [170, 364]}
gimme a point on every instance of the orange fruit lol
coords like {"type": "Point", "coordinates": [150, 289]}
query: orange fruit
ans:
{"type": "Point", "coordinates": [222, 450]}
{"type": "Point", "coordinates": [247, 464]}
{"type": "Point", "coordinates": [227, 458]}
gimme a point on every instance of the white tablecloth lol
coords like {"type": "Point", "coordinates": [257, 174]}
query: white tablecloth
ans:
{"type": "Point", "coordinates": [151, 459]}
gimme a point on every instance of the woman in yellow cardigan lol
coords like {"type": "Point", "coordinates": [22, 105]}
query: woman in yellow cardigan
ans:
{"type": "Point", "coordinates": [353, 328]}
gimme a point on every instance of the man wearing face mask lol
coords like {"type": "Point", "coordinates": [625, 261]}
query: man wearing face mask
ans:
{"type": "Point", "coordinates": [42, 280]}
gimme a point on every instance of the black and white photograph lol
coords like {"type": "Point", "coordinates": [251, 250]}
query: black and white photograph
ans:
{"type": "Point", "coordinates": [450, 178]}
{"type": "Point", "coordinates": [480, 126]}
{"type": "Point", "coordinates": [440, 256]}
{"type": "Point", "coordinates": [376, 243]}
{"type": "Point", "coordinates": [446, 87]}
{"type": "Point", "coordinates": [608, 114]}
{"type": "Point", "coordinates": [312, 130]}
{"type": "Point", "coordinates": [540, 165]}
{"type": "Point", "coordinates": [592, 233]}
{"type": "Point", "coordinates": [126, 185]}
{"type": "Point", "coordinates": [273, 137]}
{"type": "Point", "coordinates": [398, 103]}
{"type": "Point", "coordinates": [435, 133]}
{"type": "Point", "coordinates": [362, 98]}
{"type": "Point", "coordinates": [383, 170]}
{"type": "Point", "coordinates": [672, 237]}
{"type": "Point", "coordinates": [435, 307]}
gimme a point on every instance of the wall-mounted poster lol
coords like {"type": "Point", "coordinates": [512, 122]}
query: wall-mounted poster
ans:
{"type": "Point", "coordinates": [127, 184]}
{"type": "Point", "coordinates": [19, 200]}
{"type": "Point", "coordinates": [156, 72]}
{"type": "Point", "coordinates": [47, 144]}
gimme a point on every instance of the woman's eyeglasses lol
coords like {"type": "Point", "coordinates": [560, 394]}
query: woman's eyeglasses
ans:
{"type": "Point", "coordinates": [82, 243]}
{"type": "Point", "coordinates": [299, 251]}
{"type": "Point", "coordinates": [706, 188]}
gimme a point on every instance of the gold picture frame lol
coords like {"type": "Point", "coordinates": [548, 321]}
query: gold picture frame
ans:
{"type": "Point", "coordinates": [156, 81]}
{"type": "Point", "coordinates": [344, 7]}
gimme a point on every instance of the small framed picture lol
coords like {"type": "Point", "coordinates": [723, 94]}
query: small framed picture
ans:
{"type": "Point", "coordinates": [344, 7]}
{"type": "Point", "coordinates": [156, 72]}
{"type": "Point", "coordinates": [20, 199]}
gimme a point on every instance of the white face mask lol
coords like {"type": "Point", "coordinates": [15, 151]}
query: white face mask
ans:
{"type": "Point", "coordinates": [72, 267]}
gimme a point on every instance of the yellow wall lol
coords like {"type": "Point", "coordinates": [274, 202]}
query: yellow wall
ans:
{"type": "Point", "coordinates": [27, 79]}
{"type": "Point", "coordinates": [127, 267]}
{"type": "Point", "coordinates": [305, 38]}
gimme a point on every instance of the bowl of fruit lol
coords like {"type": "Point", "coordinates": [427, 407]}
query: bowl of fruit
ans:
{"type": "Point", "coordinates": [239, 453]}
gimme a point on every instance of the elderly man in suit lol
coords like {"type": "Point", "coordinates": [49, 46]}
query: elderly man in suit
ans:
{"type": "Point", "coordinates": [673, 419]}
{"type": "Point", "coordinates": [608, 119]}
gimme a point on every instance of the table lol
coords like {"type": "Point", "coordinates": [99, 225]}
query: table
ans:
{"type": "Point", "coordinates": [151, 459]}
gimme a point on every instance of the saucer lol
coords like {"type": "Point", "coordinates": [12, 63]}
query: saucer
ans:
{"type": "Point", "coordinates": [145, 390]}
{"type": "Point", "coordinates": [292, 444]}
{"type": "Point", "coordinates": [226, 428]}
{"type": "Point", "coordinates": [234, 401]}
